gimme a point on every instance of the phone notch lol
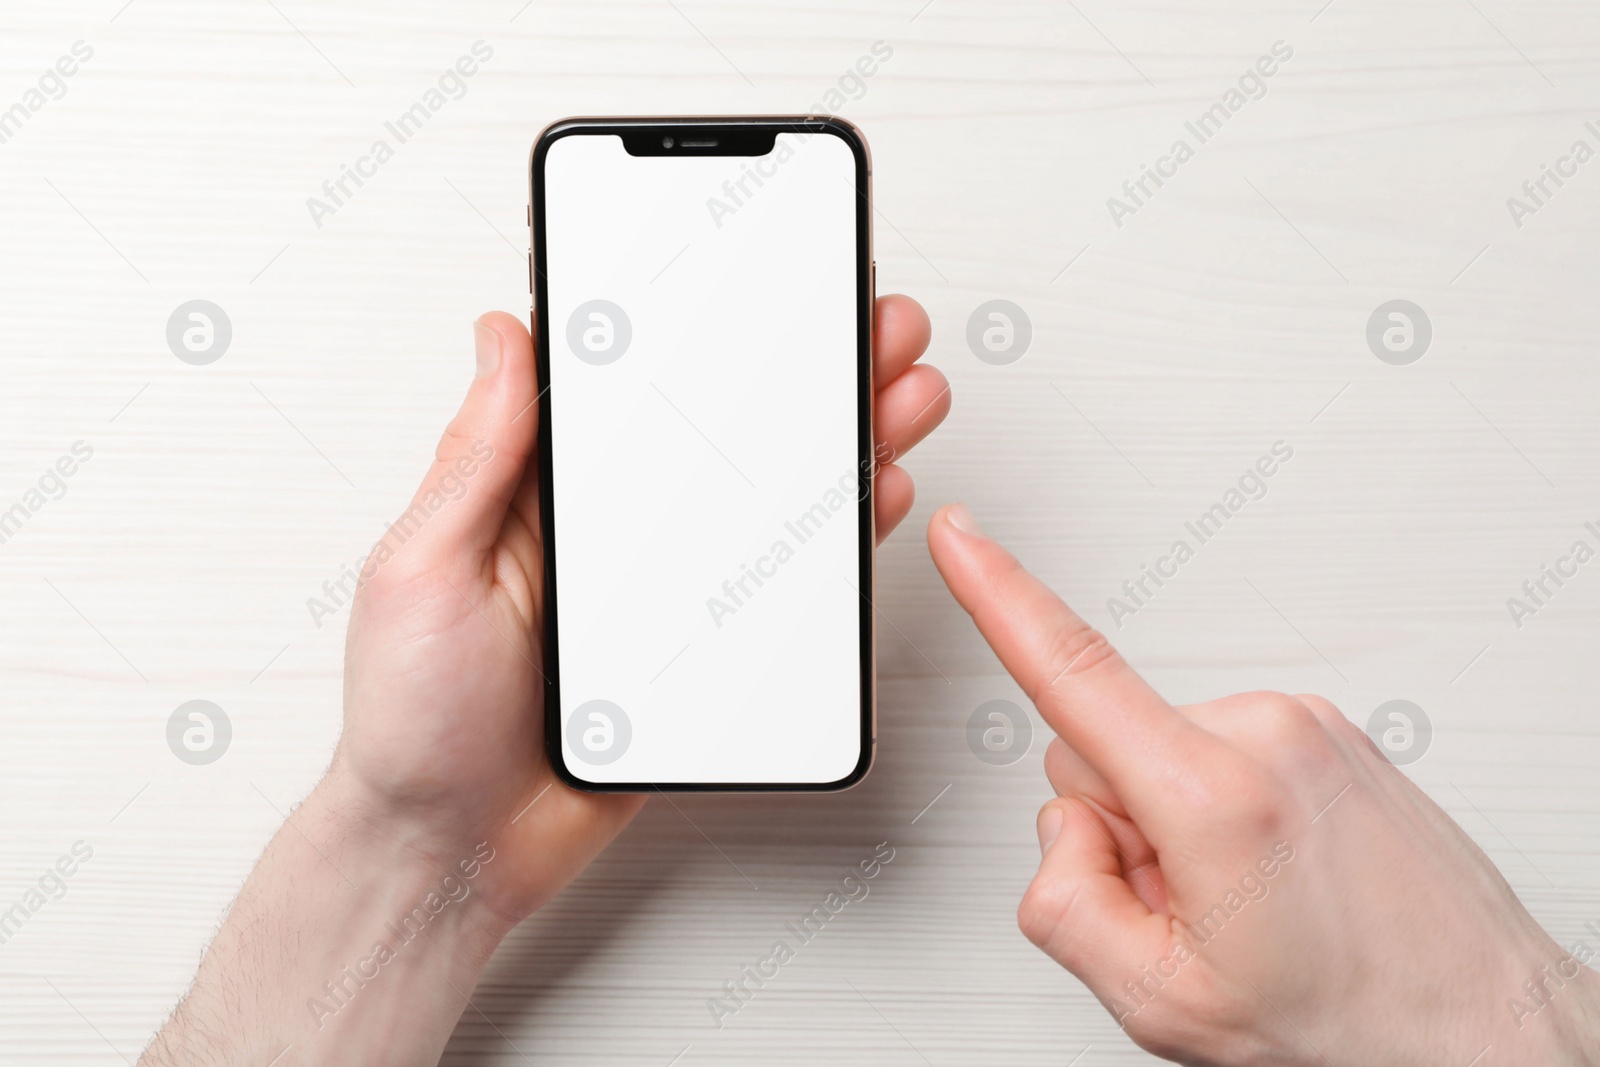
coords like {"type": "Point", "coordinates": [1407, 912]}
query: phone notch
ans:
{"type": "Point", "coordinates": [679, 140]}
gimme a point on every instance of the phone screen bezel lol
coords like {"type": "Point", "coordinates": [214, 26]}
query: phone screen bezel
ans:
{"type": "Point", "coordinates": [730, 131]}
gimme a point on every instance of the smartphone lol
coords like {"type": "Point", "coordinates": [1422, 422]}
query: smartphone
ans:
{"type": "Point", "coordinates": [703, 305]}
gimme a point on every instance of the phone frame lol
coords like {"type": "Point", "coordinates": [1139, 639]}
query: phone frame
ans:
{"type": "Point", "coordinates": [733, 135]}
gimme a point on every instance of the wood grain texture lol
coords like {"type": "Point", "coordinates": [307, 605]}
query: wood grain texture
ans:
{"type": "Point", "coordinates": [1226, 314]}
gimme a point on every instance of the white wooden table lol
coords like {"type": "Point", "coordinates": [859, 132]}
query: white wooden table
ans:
{"type": "Point", "coordinates": [1226, 313]}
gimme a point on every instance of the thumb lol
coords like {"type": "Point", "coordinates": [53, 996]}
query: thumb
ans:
{"type": "Point", "coordinates": [1081, 911]}
{"type": "Point", "coordinates": [460, 506]}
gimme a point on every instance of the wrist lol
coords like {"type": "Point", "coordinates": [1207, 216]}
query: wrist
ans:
{"type": "Point", "coordinates": [1553, 1019]}
{"type": "Point", "coordinates": [396, 943]}
{"type": "Point", "coordinates": [401, 861]}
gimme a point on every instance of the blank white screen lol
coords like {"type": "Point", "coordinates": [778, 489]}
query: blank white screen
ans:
{"type": "Point", "coordinates": [719, 448]}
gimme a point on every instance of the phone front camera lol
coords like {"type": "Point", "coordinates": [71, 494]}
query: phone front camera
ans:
{"type": "Point", "coordinates": [666, 142]}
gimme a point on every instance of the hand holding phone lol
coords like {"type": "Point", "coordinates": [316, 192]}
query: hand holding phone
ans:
{"type": "Point", "coordinates": [444, 692]}
{"type": "Point", "coordinates": [440, 824]}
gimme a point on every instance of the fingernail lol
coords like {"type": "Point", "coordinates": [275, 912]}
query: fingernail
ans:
{"type": "Point", "coordinates": [962, 520]}
{"type": "Point", "coordinates": [1049, 828]}
{"type": "Point", "coordinates": [487, 342]}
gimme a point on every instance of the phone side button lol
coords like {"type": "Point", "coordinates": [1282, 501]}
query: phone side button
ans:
{"type": "Point", "coordinates": [530, 272]}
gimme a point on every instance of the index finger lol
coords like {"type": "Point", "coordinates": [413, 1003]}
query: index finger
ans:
{"type": "Point", "coordinates": [1081, 685]}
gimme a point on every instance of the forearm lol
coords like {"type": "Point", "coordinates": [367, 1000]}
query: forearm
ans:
{"type": "Point", "coordinates": [350, 943]}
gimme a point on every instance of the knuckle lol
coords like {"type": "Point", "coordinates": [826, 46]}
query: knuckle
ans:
{"type": "Point", "coordinates": [1291, 722]}
{"type": "Point", "coordinates": [1044, 916]}
{"type": "Point", "coordinates": [1282, 708]}
{"type": "Point", "coordinates": [1254, 806]}
{"type": "Point", "coordinates": [1075, 649]}
{"type": "Point", "coordinates": [1063, 769]}
{"type": "Point", "coordinates": [1320, 706]}
{"type": "Point", "coordinates": [458, 438]}
{"type": "Point", "coordinates": [1334, 721]}
{"type": "Point", "coordinates": [1290, 736]}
